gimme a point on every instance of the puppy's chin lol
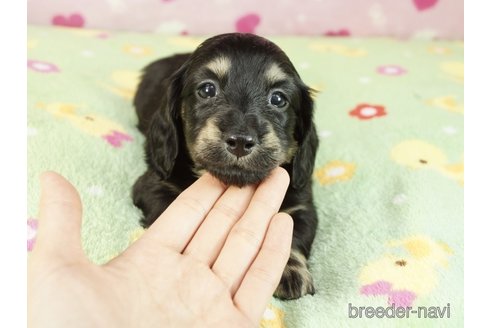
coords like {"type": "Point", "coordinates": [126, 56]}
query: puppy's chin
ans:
{"type": "Point", "coordinates": [237, 176]}
{"type": "Point", "coordinates": [247, 170]}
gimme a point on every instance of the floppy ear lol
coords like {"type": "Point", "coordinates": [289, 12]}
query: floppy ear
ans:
{"type": "Point", "coordinates": [162, 144]}
{"type": "Point", "coordinates": [307, 139]}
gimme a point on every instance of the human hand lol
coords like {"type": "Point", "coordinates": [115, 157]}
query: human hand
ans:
{"type": "Point", "coordinates": [213, 258]}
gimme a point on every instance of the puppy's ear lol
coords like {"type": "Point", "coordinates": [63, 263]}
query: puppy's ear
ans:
{"type": "Point", "coordinates": [307, 139]}
{"type": "Point", "coordinates": [162, 144]}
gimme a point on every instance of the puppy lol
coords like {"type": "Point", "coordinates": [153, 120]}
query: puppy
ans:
{"type": "Point", "coordinates": [237, 108]}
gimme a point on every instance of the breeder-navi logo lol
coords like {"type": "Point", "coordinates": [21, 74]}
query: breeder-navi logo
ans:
{"type": "Point", "coordinates": [432, 312]}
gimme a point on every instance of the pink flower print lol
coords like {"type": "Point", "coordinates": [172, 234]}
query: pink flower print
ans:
{"type": "Point", "coordinates": [116, 138]}
{"type": "Point", "coordinates": [380, 287]}
{"type": "Point", "coordinates": [341, 32]}
{"type": "Point", "coordinates": [391, 70]}
{"type": "Point", "coordinates": [247, 23]}
{"type": "Point", "coordinates": [401, 298]}
{"type": "Point", "coordinates": [42, 67]}
{"type": "Point", "coordinates": [424, 4]}
{"type": "Point", "coordinates": [74, 20]}
{"type": "Point", "coordinates": [102, 35]}
{"type": "Point", "coordinates": [32, 229]}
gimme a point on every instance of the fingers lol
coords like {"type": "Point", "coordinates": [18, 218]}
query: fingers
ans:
{"type": "Point", "coordinates": [264, 275]}
{"type": "Point", "coordinates": [60, 215]}
{"type": "Point", "coordinates": [246, 237]}
{"type": "Point", "coordinates": [176, 226]}
{"type": "Point", "coordinates": [210, 237]}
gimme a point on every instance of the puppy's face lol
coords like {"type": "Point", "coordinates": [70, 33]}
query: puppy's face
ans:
{"type": "Point", "coordinates": [241, 107]}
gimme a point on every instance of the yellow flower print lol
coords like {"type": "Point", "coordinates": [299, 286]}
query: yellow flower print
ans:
{"type": "Point", "coordinates": [88, 33]}
{"type": "Point", "coordinates": [448, 103]}
{"type": "Point", "coordinates": [404, 276]}
{"type": "Point", "coordinates": [185, 41]}
{"type": "Point", "coordinates": [124, 83]}
{"type": "Point", "coordinates": [423, 248]}
{"type": "Point", "coordinates": [418, 154]}
{"type": "Point", "coordinates": [338, 49]}
{"type": "Point", "coordinates": [31, 44]}
{"type": "Point", "coordinates": [335, 171]}
{"type": "Point", "coordinates": [137, 51]}
{"type": "Point", "coordinates": [455, 70]}
{"type": "Point", "coordinates": [402, 272]}
{"type": "Point", "coordinates": [272, 318]}
{"type": "Point", "coordinates": [439, 50]}
{"type": "Point", "coordinates": [136, 234]}
{"type": "Point", "coordinates": [93, 124]}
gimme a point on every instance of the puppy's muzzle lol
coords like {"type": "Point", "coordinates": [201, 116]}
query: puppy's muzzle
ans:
{"type": "Point", "coordinates": [240, 145]}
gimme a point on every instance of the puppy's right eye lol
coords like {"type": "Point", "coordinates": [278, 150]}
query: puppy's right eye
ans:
{"type": "Point", "coordinates": [207, 90]}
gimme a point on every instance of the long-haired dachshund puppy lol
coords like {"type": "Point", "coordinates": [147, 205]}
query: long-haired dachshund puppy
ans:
{"type": "Point", "coordinates": [237, 108]}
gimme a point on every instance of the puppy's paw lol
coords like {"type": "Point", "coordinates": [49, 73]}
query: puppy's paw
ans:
{"type": "Point", "coordinates": [296, 279]}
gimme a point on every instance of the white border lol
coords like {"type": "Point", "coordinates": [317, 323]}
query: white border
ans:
{"type": "Point", "coordinates": [14, 163]}
{"type": "Point", "coordinates": [478, 166]}
{"type": "Point", "coordinates": [478, 148]}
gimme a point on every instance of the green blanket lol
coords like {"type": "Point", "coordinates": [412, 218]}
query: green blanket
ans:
{"type": "Point", "coordinates": [388, 181]}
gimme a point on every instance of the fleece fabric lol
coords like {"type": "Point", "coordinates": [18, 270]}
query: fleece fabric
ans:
{"type": "Point", "coordinates": [388, 180]}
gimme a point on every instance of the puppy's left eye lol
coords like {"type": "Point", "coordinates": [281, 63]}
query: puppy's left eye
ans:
{"type": "Point", "coordinates": [278, 99]}
{"type": "Point", "coordinates": [207, 90]}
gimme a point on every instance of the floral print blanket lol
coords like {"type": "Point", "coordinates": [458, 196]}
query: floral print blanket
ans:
{"type": "Point", "coordinates": [388, 180]}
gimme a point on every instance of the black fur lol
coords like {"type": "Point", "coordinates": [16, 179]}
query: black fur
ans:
{"type": "Point", "coordinates": [172, 115]}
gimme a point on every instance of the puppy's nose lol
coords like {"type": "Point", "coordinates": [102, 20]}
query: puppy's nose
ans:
{"type": "Point", "coordinates": [240, 145]}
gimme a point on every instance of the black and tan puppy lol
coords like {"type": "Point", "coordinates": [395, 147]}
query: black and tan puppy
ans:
{"type": "Point", "coordinates": [237, 108]}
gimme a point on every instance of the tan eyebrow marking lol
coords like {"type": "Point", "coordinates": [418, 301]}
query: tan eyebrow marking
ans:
{"type": "Point", "coordinates": [274, 73]}
{"type": "Point", "coordinates": [220, 66]}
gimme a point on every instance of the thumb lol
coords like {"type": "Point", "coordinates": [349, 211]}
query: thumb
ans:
{"type": "Point", "coordinates": [60, 215]}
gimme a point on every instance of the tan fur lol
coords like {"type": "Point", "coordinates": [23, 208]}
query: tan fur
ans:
{"type": "Point", "coordinates": [209, 134]}
{"type": "Point", "coordinates": [293, 209]}
{"type": "Point", "coordinates": [198, 172]}
{"type": "Point", "coordinates": [296, 272]}
{"type": "Point", "coordinates": [275, 73]}
{"type": "Point", "coordinates": [271, 140]}
{"type": "Point", "coordinates": [292, 151]}
{"type": "Point", "coordinates": [220, 66]}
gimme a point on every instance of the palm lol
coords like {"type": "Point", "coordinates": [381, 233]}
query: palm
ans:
{"type": "Point", "coordinates": [220, 271]}
{"type": "Point", "coordinates": [179, 285]}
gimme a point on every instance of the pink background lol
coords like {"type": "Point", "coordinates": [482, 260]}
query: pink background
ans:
{"type": "Point", "coordinates": [441, 19]}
